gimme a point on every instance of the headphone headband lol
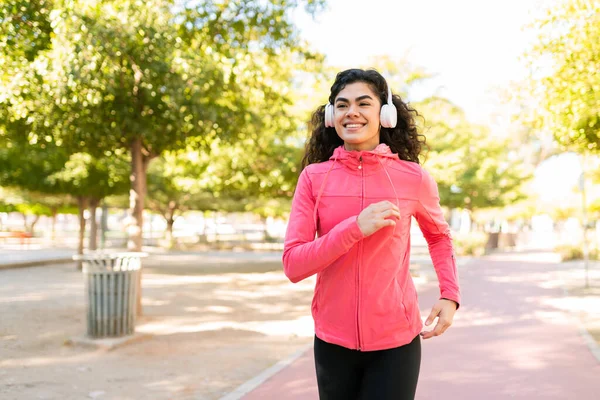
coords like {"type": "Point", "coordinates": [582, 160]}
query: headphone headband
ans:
{"type": "Point", "coordinates": [387, 117]}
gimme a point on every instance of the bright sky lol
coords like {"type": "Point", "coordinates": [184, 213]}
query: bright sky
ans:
{"type": "Point", "coordinates": [472, 45]}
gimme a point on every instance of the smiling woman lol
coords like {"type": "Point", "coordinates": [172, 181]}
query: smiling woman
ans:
{"type": "Point", "coordinates": [360, 187]}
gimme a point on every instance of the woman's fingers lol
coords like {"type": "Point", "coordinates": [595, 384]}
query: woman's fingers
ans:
{"type": "Point", "coordinates": [377, 216]}
{"type": "Point", "coordinates": [385, 222]}
{"type": "Point", "coordinates": [390, 213]}
{"type": "Point", "coordinates": [387, 205]}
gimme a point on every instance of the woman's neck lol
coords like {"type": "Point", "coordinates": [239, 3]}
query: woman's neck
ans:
{"type": "Point", "coordinates": [359, 146]}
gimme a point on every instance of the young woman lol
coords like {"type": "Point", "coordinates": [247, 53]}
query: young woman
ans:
{"type": "Point", "coordinates": [360, 185]}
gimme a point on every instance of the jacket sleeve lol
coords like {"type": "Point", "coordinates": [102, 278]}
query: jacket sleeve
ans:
{"type": "Point", "coordinates": [303, 255]}
{"type": "Point", "coordinates": [436, 231]}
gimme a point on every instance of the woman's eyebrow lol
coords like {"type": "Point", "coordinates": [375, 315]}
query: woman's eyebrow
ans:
{"type": "Point", "coordinates": [359, 98]}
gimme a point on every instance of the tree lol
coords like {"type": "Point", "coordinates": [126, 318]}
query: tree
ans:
{"type": "Point", "coordinates": [90, 180]}
{"type": "Point", "coordinates": [564, 85]}
{"type": "Point", "coordinates": [58, 179]}
{"type": "Point", "coordinates": [144, 76]}
{"type": "Point", "coordinates": [225, 177]}
{"type": "Point", "coordinates": [38, 205]}
{"type": "Point", "coordinates": [473, 169]}
{"type": "Point", "coordinates": [175, 185]}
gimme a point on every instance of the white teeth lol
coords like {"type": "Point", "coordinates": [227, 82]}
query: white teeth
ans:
{"type": "Point", "coordinates": [353, 126]}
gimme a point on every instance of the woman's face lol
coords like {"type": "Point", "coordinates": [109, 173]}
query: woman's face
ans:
{"type": "Point", "coordinates": [356, 116]}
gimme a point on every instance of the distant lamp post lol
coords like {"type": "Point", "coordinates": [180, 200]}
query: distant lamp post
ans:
{"type": "Point", "coordinates": [586, 251]}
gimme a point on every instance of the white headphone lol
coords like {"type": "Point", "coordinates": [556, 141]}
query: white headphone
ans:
{"type": "Point", "coordinates": [387, 117]}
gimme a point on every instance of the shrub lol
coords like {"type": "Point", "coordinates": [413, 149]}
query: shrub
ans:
{"type": "Point", "coordinates": [470, 244]}
{"type": "Point", "coordinates": [571, 252]}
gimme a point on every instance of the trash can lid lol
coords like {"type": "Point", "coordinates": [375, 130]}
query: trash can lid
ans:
{"type": "Point", "coordinates": [109, 255]}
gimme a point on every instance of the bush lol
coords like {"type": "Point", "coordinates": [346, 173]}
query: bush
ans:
{"type": "Point", "coordinates": [570, 252]}
{"type": "Point", "coordinates": [470, 244]}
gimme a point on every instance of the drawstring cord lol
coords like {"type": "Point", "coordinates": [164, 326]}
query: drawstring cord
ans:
{"type": "Point", "coordinates": [393, 187]}
{"type": "Point", "coordinates": [390, 181]}
{"type": "Point", "coordinates": [321, 192]}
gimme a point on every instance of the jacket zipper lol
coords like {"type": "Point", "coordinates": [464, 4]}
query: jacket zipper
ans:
{"type": "Point", "coordinates": [362, 198]}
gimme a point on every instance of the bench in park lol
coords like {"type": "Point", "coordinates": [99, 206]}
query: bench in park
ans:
{"type": "Point", "coordinates": [21, 235]}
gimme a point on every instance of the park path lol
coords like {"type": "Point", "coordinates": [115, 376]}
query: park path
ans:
{"type": "Point", "coordinates": [513, 338]}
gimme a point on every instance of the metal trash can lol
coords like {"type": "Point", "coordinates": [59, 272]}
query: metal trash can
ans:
{"type": "Point", "coordinates": [111, 284]}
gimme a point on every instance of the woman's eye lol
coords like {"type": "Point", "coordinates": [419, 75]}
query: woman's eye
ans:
{"type": "Point", "coordinates": [341, 106]}
{"type": "Point", "coordinates": [365, 104]}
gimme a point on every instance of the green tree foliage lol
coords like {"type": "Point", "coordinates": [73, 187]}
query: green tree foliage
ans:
{"type": "Point", "coordinates": [90, 180]}
{"type": "Point", "coordinates": [33, 205]}
{"type": "Point", "coordinates": [25, 27]}
{"type": "Point", "coordinates": [564, 88]}
{"type": "Point", "coordinates": [87, 176]}
{"type": "Point", "coordinates": [250, 175]}
{"type": "Point", "coordinates": [46, 169]}
{"type": "Point", "coordinates": [473, 169]}
{"type": "Point", "coordinates": [145, 76]}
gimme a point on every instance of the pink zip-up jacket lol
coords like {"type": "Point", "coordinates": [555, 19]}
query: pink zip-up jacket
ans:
{"type": "Point", "coordinates": [364, 297]}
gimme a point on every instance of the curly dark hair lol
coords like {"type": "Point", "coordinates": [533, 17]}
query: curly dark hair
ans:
{"type": "Point", "coordinates": [404, 139]}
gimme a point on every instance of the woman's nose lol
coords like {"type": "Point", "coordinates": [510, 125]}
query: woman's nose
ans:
{"type": "Point", "coordinates": [352, 110]}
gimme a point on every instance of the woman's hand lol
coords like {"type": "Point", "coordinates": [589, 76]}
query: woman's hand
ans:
{"type": "Point", "coordinates": [377, 216]}
{"type": "Point", "coordinates": [444, 310]}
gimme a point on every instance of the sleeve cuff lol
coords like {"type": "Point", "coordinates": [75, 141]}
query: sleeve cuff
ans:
{"type": "Point", "coordinates": [452, 300]}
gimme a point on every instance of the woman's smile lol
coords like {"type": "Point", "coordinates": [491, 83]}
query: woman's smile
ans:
{"type": "Point", "coordinates": [352, 127]}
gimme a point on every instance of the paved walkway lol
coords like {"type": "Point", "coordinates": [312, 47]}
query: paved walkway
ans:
{"type": "Point", "coordinates": [24, 255]}
{"type": "Point", "coordinates": [13, 256]}
{"type": "Point", "coordinates": [512, 339]}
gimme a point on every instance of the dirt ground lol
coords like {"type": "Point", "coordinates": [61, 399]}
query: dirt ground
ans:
{"type": "Point", "coordinates": [208, 329]}
{"type": "Point", "coordinates": [207, 333]}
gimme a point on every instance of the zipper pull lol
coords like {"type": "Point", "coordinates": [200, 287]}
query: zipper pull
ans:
{"type": "Point", "coordinates": [360, 165]}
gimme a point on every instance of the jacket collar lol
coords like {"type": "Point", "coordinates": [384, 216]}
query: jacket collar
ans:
{"type": "Point", "coordinates": [352, 159]}
{"type": "Point", "coordinates": [368, 156]}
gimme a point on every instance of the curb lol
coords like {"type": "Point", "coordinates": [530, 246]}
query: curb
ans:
{"type": "Point", "coordinates": [107, 344]}
{"type": "Point", "coordinates": [587, 338]}
{"type": "Point", "coordinates": [590, 341]}
{"type": "Point", "coordinates": [259, 379]}
{"type": "Point", "coordinates": [38, 263]}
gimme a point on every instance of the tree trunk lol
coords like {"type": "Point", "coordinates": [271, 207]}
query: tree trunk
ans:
{"type": "Point", "coordinates": [103, 225]}
{"type": "Point", "coordinates": [137, 195]}
{"type": "Point", "coordinates": [53, 233]}
{"type": "Point", "coordinates": [216, 217]}
{"type": "Point", "coordinates": [36, 218]}
{"type": "Point", "coordinates": [266, 237]}
{"type": "Point", "coordinates": [26, 226]}
{"type": "Point", "coordinates": [170, 218]}
{"type": "Point", "coordinates": [82, 204]}
{"type": "Point", "coordinates": [203, 237]}
{"type": "Point", "coordinates": [169, 233]}
{"type": "Point", "coordinates": [93, 206]}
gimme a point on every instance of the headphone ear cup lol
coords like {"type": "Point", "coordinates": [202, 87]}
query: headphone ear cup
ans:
{"type": "Point", "coordinates": [329, 116]}
{"type": "Point", "coordinates": [388, 116]}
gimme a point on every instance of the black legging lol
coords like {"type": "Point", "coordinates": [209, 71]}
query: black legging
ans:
{"type": "Point", "coordinates": [344, 374]}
